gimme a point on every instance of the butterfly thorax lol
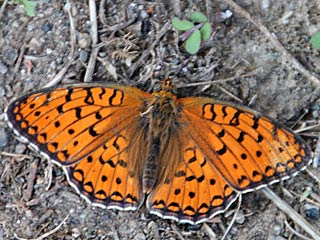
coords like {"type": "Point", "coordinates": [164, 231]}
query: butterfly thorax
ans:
{"type": "Point", "coordinates": [162, 114]}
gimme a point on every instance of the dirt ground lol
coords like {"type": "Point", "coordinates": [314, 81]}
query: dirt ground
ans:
{"type": "Point", "coordinates": [139, 47]}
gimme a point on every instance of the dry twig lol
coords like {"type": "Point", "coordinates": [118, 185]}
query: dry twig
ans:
{"type": "Point", "coordinates": [316, 157]}
{"type": "Point", "coordinates": [311, 174]}
{"type": "Point", "coordinates": [18, 63]}
{"type": "Point", "coordinates": [295, 232]}
{"type": "Point", "coordinates": [179, 235]}
{"type": "Point", "coordinates": [102, 15]}
{"type": "Point", "coordinates": [307, 128]}
{"type": "Point", "coordinates": [230, 94]}
{"type": "Point", "coordinates": [15, 155]}
{"type": "Point", "coordinates": [209, 231]}
{"type": "Point", "coordinates": [94, 36]}
{"type": "Point", "coordinates": [176, 7]}
{"type": "Point", "coordinates": [3, 6]}
{"type": "Point", "coordinates": [31, 179]}
{"type": "Point", "coordinates": [119, 26]}
{"type": "Point", "coordinates": [239, 196]}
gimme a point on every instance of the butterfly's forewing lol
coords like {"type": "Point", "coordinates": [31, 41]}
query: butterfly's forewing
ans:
{"type": "Point", "coordinates": [196, 192]}
{"type": "Point", "coordinates": [86, 129]}
{"type": "Point", "coordinates": [249, 150]}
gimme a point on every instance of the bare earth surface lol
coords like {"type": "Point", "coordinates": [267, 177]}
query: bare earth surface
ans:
{"type": "Point", "coordinates": [34, 195]}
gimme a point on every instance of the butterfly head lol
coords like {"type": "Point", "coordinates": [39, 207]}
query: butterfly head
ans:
{"type": "Point", "coordinates": [164, 98]}
{"type": "Point", "coordinates": [167, 85]}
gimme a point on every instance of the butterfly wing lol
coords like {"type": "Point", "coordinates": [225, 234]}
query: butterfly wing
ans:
{"type": "Point", "coordinates": [196, 192]}
{"type": "Point", "coordinates": [87, 129]}
{"type": "Point", "coordinates": [248, 149]}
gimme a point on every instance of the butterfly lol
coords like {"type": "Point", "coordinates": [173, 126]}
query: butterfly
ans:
{"type": "Point", "coordinates": [189, 157]}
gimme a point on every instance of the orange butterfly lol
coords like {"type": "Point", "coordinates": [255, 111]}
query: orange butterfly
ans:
{"type": "Point", "coordinates": [191, 156]}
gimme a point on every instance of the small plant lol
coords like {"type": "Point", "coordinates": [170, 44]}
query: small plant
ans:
{"type": "Point", "coordinates": [315, 40]}
{"type": "Point", "coordinates": [197, 30]}
{"type": "Point", "coordinates": [29, 6]}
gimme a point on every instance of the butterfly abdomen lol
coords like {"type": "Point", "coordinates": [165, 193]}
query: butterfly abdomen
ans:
{"type": "Point", "coordinates": [151, 166]}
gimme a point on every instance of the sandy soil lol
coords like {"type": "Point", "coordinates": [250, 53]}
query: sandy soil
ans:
{"type": "Point", "coordinates": [34, 49]}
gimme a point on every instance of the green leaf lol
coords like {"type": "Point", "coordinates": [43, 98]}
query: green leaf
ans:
{"type": "Point", "coordinates": [205, 31]}
{"type": "Point", "coordinates": [198, 17]}
{"type": "Point", "coordinates": [182, 25]}
{"type": "Point", "coordinates": [193, 43]}
{"type": "Point", "coordinates": [315, 40]}
{"type": "Point", "coordinates": [29, 6]}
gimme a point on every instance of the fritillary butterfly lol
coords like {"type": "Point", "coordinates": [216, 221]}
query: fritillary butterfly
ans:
{"type": "Point", "coordinates": [190, 156]}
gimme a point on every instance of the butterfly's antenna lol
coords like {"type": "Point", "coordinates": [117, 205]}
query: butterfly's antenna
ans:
{"type": "Point", "coordinates": [234, 216]}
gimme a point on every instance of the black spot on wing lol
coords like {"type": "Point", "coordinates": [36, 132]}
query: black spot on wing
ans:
{"type": "Point", "coordinates": [89, 98]}
{"type": "Point", "coordinates": [68, 96]}
{"type": "Point", "coordinates": [92, 132]}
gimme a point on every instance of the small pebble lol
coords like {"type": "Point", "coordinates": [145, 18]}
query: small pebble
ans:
{"type": "Point", "coordinates": [312, 211]}
{"type": "Point", "coordinates": [29, 214]}
{"type": "Point", "coordinates": [53, 65]}
{"type": "Point", "coordinates": [83, 56]}
{"type": "Point", "coordinates": [84, 40]}
{"type": "Point", "coordinates": [158, 67]}
{"type": "Point", "coordinates": [3, 68]}
{"type": "Point", "coordinates": [47, 27]}
{"type": "Point", "coordinates": [190, 65]}
{"type": "Point", "coordinates": [83, 216]}
{"type": "Point", "coordinates": [194, 227]}
{"type": "Point", "coordinates": [133, 5]}
{"type": "Point", "coordinates": [3, 137]}
{"type": "Point", "coordinates": [30, 27]}
{"type": "Point", "coordinates": [140, 236]}
{"type": "Point", "coordinates": [2, 92]}
{"type": "Point", "coordinates": [277, 229]}
{"type": "Point", "coordinates": [15, 24]}
{"type": "Point", "coordinates": [20, 148]}
{"type": "Point", "coordinates": [151, 225]}
{"type": "Point", "coordinates": [144, 14]}
{"type": "Point", "coordinates": [102, 54]}
{"type": "Point", "coordinates": [76, 232]}
{"type": "Point", "coordinates": [49, 51]}
{"type": "Point", "coordinates": [185, 69]}
{"type": "Point", "coordinates": [240, 219]}
{"type": "Point", "coordinates": [265, 5]}
{"type": "Point", "coordinates": [10, 56]}
{"type": "Point", "coordinates": [315, 110]}
{"type": "Point", "coordinates": [34, 44]}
